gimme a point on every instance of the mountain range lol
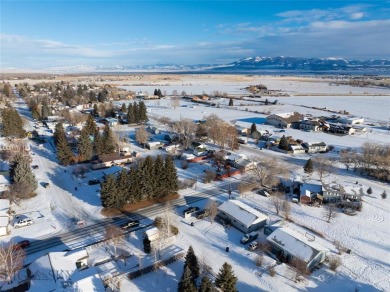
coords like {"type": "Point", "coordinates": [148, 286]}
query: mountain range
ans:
{"type": "Point", "coordinates": [251, 64]}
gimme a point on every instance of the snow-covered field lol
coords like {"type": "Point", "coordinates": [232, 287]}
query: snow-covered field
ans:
{"type": "Point", "coordinates": [367, 268]}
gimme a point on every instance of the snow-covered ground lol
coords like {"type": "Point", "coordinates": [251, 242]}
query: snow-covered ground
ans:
{"type": "Point", "coordinates": [54, 209]}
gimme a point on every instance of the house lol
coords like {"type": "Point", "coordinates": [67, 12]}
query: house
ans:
{"type": "Point", "coordinates": [195, 145]}
{"type": "Point", "coordinates": [334, 192]}
{"type": "Point", "coordinates": [200, 151]}
{"type": "Point", "coordinates": [108, 160]}
{"type": "Point", "coordinates": [111, 121]}
{"type": "Point", "coordinates": [153, 130]}
{"type": "Point", "coordinates": [284, 120]}
{"type": "Point", "coordinates": [310, 191]}
{"type": "Point", "coordinates": [4, 216]}
{"type": "Point", "coordinates": [288, 244]}
{"type": "Point", "coordinates": [340, 129]}
{"type": "Point", "coordinates": [351, 120]}
{"type": "Point", "coordinates": [296, 149]}
{"type": "Point", "coordinates": [244, 164]}
{"type": "Point", "coordinates": [242, 216]}
{"type": "Point", "coordinates": [310, 125]}
{"type": "Point", "coordinates": [314, 147]}
{"type": "Point", "coordinates": [4, 181]}
{"type": "Point", "coordinates": [64, 271]}
{"type": "Point", "coordinates": [153, 145]}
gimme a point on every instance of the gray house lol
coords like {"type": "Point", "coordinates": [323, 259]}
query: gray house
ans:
{"type": "Point", "coordinates": [288, 243]}
{"type": "Point", "coordinates": [242, 216]}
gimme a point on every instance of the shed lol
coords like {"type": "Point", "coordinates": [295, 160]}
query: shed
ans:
{"type": "Point", "coordinates": [242, 216]}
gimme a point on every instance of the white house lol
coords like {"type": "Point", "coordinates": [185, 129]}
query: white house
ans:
{"type": "Point", "coordinates": [288, 243]}
{"type": "Point", "coordinates": [351, 120]}
{"type": "Point", "coordinates": [314, 147]}
{"type": "Point", "coordinates": [4, 216]}
{"type": "Point", "coordinates": [284, 120]}
{"type": "Point", "coordinates": [242, 216]}
{"type": "Point", "coordinates": [297, 149]}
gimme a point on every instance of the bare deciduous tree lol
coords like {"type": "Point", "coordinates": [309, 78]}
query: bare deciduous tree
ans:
{"type": "Point", "coordinates": [114, 236]}
{"type": "Point", "coordinates": [212, 210]}
{"type": "Point", "coordinates": [11, 261]}
{"type": "Point", "coordinates": [286, 209]}
{"type": "Point", "coordinates": [277, 201]}
{"type": "Point", "coordinates": [322, 166]}
{"type": "Point", "coordinates": [330, 212]}
{"type": "Point", "coordinates": [175, 101]}
{"type": "Point", "coordinates": [268, 171]}
{"type": "Point", "coordinates": [186, 129]}
{"type": "Point", "coordinates": [142, 136]}
{"type": "Point", "coordinates": [334, 262]}
{"type": "Point", "coordinates": [299, 268]}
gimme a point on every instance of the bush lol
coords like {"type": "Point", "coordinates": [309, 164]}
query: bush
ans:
{"type": "Point", "coordinates": [271, 271]}
{"type": "Point", "coordinates": [384, 195]}
{"type": "Point", "coordinates": [334, 262]}
{"type": "Point", "coordinates": [174, 230]}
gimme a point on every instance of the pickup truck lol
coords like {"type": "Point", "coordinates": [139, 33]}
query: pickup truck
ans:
{"type": "Point", "coordinates": [249, 237]}
{"type": "Point", "coordinates": [130, 224]}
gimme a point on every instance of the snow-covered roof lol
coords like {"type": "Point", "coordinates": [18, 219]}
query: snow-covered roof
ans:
{"type": "Point", "coordinates": [242, 212]}
{"type": "Point", "coordinates": [311, 188]}
{"type": "Point", "coordinates": [4, 221]}
{"type": "Point", "coordinates": [4, 207]}
{"type": "Point", "coordinates": [299, 244]}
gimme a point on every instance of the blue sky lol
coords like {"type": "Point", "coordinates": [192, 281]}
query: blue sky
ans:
{"type": "Point", "coordinates": [45, 34]}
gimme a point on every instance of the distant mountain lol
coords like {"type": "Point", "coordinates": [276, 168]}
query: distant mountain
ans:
{"type": "Point", "coordinates": [251, 64]}
{"type": "Point", "coordinates": [306, 64]}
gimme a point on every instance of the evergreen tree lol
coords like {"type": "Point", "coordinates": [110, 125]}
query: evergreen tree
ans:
{"type": "Point", "coordinates": [22, 173]}
{"type": "Point", "coordinates": [102, 95]}
{"type": "Point", "coordinates": [58, 132]}
{"type": "Point", "coordinates": [109, 195]}
{"type": "Point", "coordinates": [64, 152]}
{"type": "Point", "coordinates": [170, 176]}
{"type": "Point", "coordinates": [134, 187]}
{"type": "Point", "coordinates": [253, 128]}
{"type": "Point", "coordinates": [45, 111]}
{"type": "Point", "coordinates": [384, 195]}
{"type": "Point", "coordinates": [369, 191]}
{"type": "Point", "coordinates": [283, 144]}
{"type": "Point", "coordinates": [7, 90]}
{"type": "Point", "coordinates": [90, 125]}
{"type": "Point", "coordinates": [155, 92]}
{"type": "Point", "coordinates": [231, 102]}
{"type": "Point", "coordinates": [136, 114]}
{"type": "Point", "coordinates": [160, 185]}
{"type": "Point", "coordinates": [123, 108]}
{"type": "Point", "coordinates": [187, 283]}
{"type": "Point", "coordinates": [97, 143]}
{"type": "Point", "coordinates": [226, 280]}
{"type": "Point", "coordinates": [95, 110]}
{"type": "Point", "coordinates": [206, 285]}
{"type": "Point", "coordinates": [92, 96]}
{"type": "Point", "coordinates": [85, 146]}
{"type": "Point", "coordinates": [12, 123]}
{"type": "Point", "coordinates": [15, 161]}
{"type": "Point", "coordinates": [143, 117]}
{"type": "Point", "coordinates": [108, 140]}
{"type": "Point", "coordinates": [122, 184]}
{"type": "Point", "coordinates": [159, 93]}
{"type": "Point", "coordinates": [192, 262]}
{"type": "Point", "coordinates": [147, 245]}
{"type": "Point", "coordinates": [308, 168]}
{"type": "Point", "coordinates": [266, 102]}
{"type": "Point", "coordinates": [130, 114]}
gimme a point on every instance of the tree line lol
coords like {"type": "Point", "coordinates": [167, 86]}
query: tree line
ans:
{"type": "Point", "coordinates": [148, 179]}
{"type": "Point", "coordinates": [136, 113]}
{"type": "Point", "coordinates": [90, 143]}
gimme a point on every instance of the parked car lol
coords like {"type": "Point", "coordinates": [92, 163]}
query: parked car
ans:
{"type": "Point", "coordinates": [241, 141]}
{"type": "Point", "coordinates": [190, 210]}
{"type": "Point", "coordinates": [249, 237]}
{"type": "Point", "coordinates": [201, 214]}
{"type": "Point", "coordinates": [34, 166]}
{"type": "Point", "coordinates": [263, 193]}
{"type": "Point", "coordinates": [23, 222]}
{"type": "Point", "coordinates": [23, 244]}
{"type": "Point", "coordinates": [45, 185]}
{"type": "Point", "coordinates": [295, 199]}
{"type": "Point", "coordinates": [93, 182]}
{"type": "Point", "coordinates": [130, 224]}
{"type": "Point", "coordinates": [253, 245]}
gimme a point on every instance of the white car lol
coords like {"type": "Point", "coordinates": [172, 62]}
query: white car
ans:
{"type": "Point", "coordinates": [253, 245]}
{"type": "Point", "coordinates": [23, 222]}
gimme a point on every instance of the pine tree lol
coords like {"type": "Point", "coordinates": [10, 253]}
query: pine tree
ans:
{"type": "Point", "coordinates": [231, 102]}
{"type": "Point", "coordinates": [122, 184]}
{"type": "Point", "coordinates": [206, 285]}
{"type": "Point", "coordinates": [12, 123]}
{"type": "Point", "coordinates": [15, 161]}
{"type": "Point", "coordinates": [384, 195]}
{"type": "Point", "coordinates": [92, 96]}
{"type": "Point", "coordinates": [58, 132]}
{"type": "Point", "coordinates": [64, 152]}
{"type": "Point", "coordinates": [226, 280]}
{"type": "Point", "coordinates": [170, 176]}
{"type": "Point", "coordinates": [123, 108]}
{"type": "Point", "coordinates": [308, 168]}
{"type": "Point", "coordinates": [130, 114]}
{"type": "Point", "coordinates": [45, 111]}
{"type": "Point", "coordinates": [22, 173]}
{"type": "Point", "coordinates": [283, 144]}
{"type": "Point", "coordinates": [369, 191]}
{"type": "Point", "coordinates": [143, 117]}
{"type": "Point", "coordinates": [95, 110]}
{"type": "Point", "coordinates": [90, 125]}
{"type": "Point", "coordinates": [85, 146]}
{"type": "Point", "coordinates": [109, 195]}
{"type": "Point", "coordinates": [160, 184]}
{"type": "Point", "coordinates": [97, 143]}
{"type": "Point", "coordinates": [187, 283]}
{"type": "Point", "coordinates": [192, 262]}
{"type": "Point", "coordinates": [134, 187]}
{"type": "Point", "coordinates": [266, 102]}
{"type": "Point", "coordinates": [136, 114]}
{"type": "Point", "coordinates": [108, 140]}
{"type": "Point", "coordinates": [253, 128]}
